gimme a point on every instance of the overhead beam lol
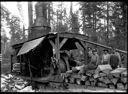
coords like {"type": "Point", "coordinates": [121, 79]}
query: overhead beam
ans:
{"type": "Point", "coordinates": [53, 45]}
{"type": "Point", "coordinates": [63, 42]}
{"type": "Point", "coordinates": [94, 43]}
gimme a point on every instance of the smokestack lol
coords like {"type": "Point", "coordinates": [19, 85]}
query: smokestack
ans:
{"type": "Point", "coordinates": [40, 26]}
{"type": "Point", "coordinates": [30, 17]}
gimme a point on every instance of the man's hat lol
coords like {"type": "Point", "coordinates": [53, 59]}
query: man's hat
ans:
{"type": "Point", "coordinates": [94, 50]}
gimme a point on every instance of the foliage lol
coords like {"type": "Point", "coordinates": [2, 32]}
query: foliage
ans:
{"type": "Point", "coordinates": [112, 30]}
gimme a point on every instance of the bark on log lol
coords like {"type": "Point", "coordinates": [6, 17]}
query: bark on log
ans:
{"type": "Point", "coordinates": [120, 86]}
{"type": "Point", "coordinates": [112, 86]}
{"type": "Point", "coordinates": [101, 79]}
{"type": "Point", "coordinates": [84, 78]}
{"type": "Point", "coordinates": [87, 83]}
{"type": "Point", "coordinates": [107, 81]}
{"type": "Point", "coordinates": [124, 74]}
{"type": "Point", "coordinates": [103, 74]}
{"type": "Point", "coordinates": [118, 70]}
{"type": "Point", "coordinates": [114, 80]}
{"type": "Point", "coordinates": [66, 80]}
{"type": "Point", "coordinates": [107, 71]}
{"type": "Point", "coordinates": [102, 84]}
{"type": "Point", "coordinates": [124, 79]}
{"type": "Point", "coordinates": [117, 75]}
{"type": "Point", "coordinates": [110, 76]}
{"type": "Point", "coordinates": [88, 74]}
{"type": "Point", "coordinates": [72, 80]}
{"type": "Point", "coordinates": [91, 79]}
{"type": "Point", "coordinates": [78, 81]}
{"type": "Point", "coordinates": [126, 86]}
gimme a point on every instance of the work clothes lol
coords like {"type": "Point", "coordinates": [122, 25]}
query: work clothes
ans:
{"type": "Point", "coordinates": [92, 65]}
{"type": "Point", "coordinates": [114, 61]}
{"type": "Point", "coordinates": [105, 58]}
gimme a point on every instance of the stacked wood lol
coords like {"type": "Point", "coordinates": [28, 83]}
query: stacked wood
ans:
{"type": "Point", "coordinates": [107, 78]}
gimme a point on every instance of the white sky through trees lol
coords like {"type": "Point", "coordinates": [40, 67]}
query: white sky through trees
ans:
{"type": "Point", "coordinates": [12, 7]}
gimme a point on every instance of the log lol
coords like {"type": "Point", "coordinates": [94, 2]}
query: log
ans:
{"type": "Point", "coordinates": [66, 80]}
{"type": "Point", "coordinates": [114, 80]}
{"type": "Point", "coordinates": [124, 74]}
{"type": "Point", "coordinates": [120, 86]}
{"type": "Point", "coordinates": [124, 79]}
{"type": "Point", "coordinates": [87, 83]}
{"type": "Point", "coordinates": [110, 76]}
{"type": "Point", "coordinates": [72, 80]}
{"type": "Point", "coordinates": [104, 67]}
{"type": "Point", "coordinates": [126, 87]}
{"type": "Point", "coordinates": [101, 79]}
{"type": "Point", "coordinates": [111, 86]}
{"type": "Point", "coordinates": [83, 78]}
{"type": "Point", "coordinates": [91, 71]}
{"type": "Point", "coordinates": [93, 83]}
{"type": "Point", "coordinates": [91, 79]}
{"type": "Point", "coordinates": [107, 81]}
{"type": "Point", "coordinates": [88, 74]}
{"type": "Point", "coordinates": [107, 71]}
{"type": "Point", "coordinates": [118, 70]}
{"type": "Point", "coordinates": [102, 74]}
{"type": "Point", "coordinates": [78, 81]}
{"type": "Point", "coordinates": [100, 84]}
{"type": "Point", "coordinates": [117, 75]}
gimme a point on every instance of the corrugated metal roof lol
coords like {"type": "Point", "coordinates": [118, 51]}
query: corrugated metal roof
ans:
{"type": "Point", "coordinates": [27, 46]}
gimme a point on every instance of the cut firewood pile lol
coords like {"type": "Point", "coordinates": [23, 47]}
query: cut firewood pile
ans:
{"type": "Point", "coordinates": [103, 77]}
{"type": "Point", "coordinates": [11, 83]}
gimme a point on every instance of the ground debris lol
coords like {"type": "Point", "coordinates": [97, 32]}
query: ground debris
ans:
{"type": "Point", "coordinates": [11, 83]}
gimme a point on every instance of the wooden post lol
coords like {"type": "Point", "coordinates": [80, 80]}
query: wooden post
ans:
{"type": "Point", "coordinates": [30, 70]}
{"type": "Point", "coordinates": [85, 50]}
{"type": "Point", "coordinates": [11, 62]}
{"type": "Point", "coordinates": [57, 51]}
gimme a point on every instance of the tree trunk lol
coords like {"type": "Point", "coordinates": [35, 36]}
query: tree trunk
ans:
{"type": "Point", "coordinates": [107, 35]}
{"type": "Point", "coordinates": [49, 17]}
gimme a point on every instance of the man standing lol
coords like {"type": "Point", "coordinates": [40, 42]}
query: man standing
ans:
{"type": "Point", "coordinates": [105, 57]}
{"type": "Point", "coordinates": [115, 59]}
